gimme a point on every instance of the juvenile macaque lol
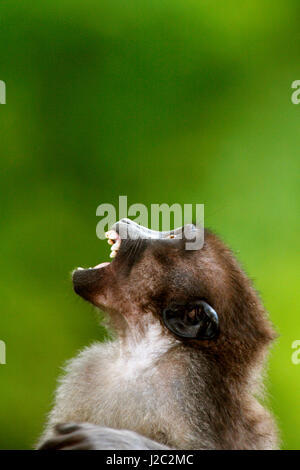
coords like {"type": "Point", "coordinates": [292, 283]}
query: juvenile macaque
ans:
{"type": "Point", "coordinates": [184, 370]}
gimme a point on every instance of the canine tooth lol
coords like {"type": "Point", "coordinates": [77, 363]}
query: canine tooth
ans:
{"type": "Point", "coordinates": [113, 254]}
{"type": "Point", "coordinates": [112, 234]}
{"type": "Point", "coordinates": [110, 242]}
{"type": "Point", "coordinates": [116, 246]}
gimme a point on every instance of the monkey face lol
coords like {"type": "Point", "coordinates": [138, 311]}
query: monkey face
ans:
{"type": "Point", "coordinates": [197, 295]}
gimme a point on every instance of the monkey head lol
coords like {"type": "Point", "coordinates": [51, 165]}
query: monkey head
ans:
{"type": "Point", "coordinates": [201, 298]}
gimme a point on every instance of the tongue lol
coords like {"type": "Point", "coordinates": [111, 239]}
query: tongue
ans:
{"type": "Point", "coordinates": [101, 265]}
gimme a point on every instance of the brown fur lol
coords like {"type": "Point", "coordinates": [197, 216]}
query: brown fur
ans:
{"type": "Point", "coordinates": [211, 388]}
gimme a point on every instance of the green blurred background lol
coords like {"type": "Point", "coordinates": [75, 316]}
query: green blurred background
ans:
{"type": "Point", "coordinates": [162, 101]}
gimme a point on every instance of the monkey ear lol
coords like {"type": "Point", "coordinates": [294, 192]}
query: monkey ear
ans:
{"type": "Point", "coordinates": [197, 320]}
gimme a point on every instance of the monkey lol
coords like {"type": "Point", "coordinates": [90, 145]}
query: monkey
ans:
{"type": "Point", "coordinates": [184, 366]}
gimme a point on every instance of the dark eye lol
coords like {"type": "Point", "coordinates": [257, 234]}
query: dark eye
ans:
{"type": "Point", "coordinates": [197, 320]}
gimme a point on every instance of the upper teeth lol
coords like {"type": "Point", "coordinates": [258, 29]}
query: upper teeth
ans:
{"type": "Point", "coordinates": [115, 241]}
{"type": "Point", "coordinates": [112, 234]}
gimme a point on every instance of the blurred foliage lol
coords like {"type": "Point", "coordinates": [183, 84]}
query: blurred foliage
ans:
{"type": "Point", "coordinates": [163, 101]}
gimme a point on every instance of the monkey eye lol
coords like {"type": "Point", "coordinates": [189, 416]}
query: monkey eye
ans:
{"type": "Point", "coordinates": [197, 320]}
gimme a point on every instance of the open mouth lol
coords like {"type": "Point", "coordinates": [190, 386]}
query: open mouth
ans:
{"type": "Point", "coordinates": [128, 229]}
{"type": "Point", "coordinates": [114, 240]}
{"type": "Point", "coordinates": [129, 238]}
